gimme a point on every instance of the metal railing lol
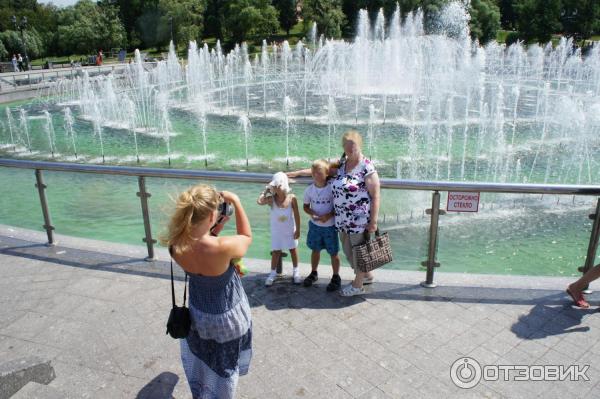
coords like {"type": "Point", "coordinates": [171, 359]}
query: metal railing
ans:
{"type": "Point", "coordinates": [15, 81]}
{"type": "Point", "coordinates": [142, 173]}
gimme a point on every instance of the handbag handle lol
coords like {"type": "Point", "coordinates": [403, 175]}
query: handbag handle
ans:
{"type": "Point", "coordinates": [368, 234]}
{"type": "Point", "coordinates": [173, 283]}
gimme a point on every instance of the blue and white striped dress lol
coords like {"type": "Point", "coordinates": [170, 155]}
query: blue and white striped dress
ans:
{"type": "Point", "coordinates": [218, 348]}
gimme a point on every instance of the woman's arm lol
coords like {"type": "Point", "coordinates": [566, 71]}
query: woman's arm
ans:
{"type": "Point", "coordinates": [298, 173]}
{"type": "Point", "coordinates": [296, 217]}
{"type": "Point", "coordinates": [374, 188]}
{"type": "Point", "coordinates": [237, 245]}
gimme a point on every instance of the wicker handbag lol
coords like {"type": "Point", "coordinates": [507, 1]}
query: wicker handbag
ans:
{"type": "Point", "coordinates": [373, 253]}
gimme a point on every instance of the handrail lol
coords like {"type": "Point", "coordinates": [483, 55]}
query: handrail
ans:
{"type": "Point", "coordinates": [436, 186]}
{"type": "Point", "coordinates": [247, 177]}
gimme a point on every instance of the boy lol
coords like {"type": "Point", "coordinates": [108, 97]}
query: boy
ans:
{"type": "Point", "coordinates": [318, 203]}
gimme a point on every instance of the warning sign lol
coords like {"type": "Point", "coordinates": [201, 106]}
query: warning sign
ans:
{"type": "Point", "coordinates": [462, 202]}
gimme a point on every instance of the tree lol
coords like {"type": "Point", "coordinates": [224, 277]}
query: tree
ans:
{"type": "Point", "coordinates": [287, 14]}
{"type": "Point", "coordinates": [152, 30]}
{"type": "Point", "coordinates": [249, 18]}
{"type": "Point", "coordinates": [538, 19]}
{"type": "Point", "coordinates": [485, 20]}
{"type": "Point", "coordinates": [327, 14]}
{"type": "Point", "coordinates": [187, 17]}
{"type": "Point", "coordinates": [580, 18]}
{"type": "Point", "coordinates": [213, 24]}
{"type": "Point", "coordinates": [508, 16]}
{"type": "Point", "coordinates": [3, 52]}
{"type": "Point", "coordinates": [87, 27]}
{"type": "Point", "coordinates": [130, 13]}
{"type": "Point", "coordinates": [12, 42]}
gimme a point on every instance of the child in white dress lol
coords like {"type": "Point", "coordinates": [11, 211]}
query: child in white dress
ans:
{"type": "Point", "coordinates": [285, 224]}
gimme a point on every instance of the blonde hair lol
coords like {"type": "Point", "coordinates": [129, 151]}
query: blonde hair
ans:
{"type": "Point", "coordinates": [191, 207]}
{"type": "Point", "coordinates": [353, 135]}
{"type": "Point", "coordinates": [320, 164]}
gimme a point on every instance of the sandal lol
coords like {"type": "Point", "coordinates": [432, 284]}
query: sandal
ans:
{"type": "Point", "coordinates": [579, 300]}
{"type": "Point", "coordinates": [351, 291]}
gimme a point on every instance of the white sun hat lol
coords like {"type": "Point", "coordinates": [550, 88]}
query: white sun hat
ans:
{"type": "Point", "coordinates": [280, 179]}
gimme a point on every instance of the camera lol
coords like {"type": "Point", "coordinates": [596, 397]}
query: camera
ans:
{"type": "Point", "coordinates": [268, 192]}
{"type": "Point", "coordinates": [225, 209]}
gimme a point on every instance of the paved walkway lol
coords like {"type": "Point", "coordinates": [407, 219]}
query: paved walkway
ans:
{"type": "Point", "coordinates": [100, 315]}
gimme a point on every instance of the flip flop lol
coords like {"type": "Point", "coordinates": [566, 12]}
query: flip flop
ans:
{"type": "Point", "coordinates": [580, 301]}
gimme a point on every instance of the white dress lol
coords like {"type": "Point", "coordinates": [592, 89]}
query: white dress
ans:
{"type": "Point", "coordinates": [283, 226]}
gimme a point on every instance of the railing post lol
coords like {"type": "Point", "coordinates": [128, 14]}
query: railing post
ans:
{"type": "Point", "coordinates": [144, 195]}
{"type": "Point", "coordinates": [44, 202]}
{"type": "Point", "coordinates": [593, 244]}
{"type": "Point", "coordinates": [430, 263]}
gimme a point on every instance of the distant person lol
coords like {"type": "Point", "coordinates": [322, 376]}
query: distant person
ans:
{"type": "Point", "coordinates": [15, 63]}
{"type": "Point", "coordinates": [575, 290]}
{"type": "Point", "coordinates": [322, 235]}
{"type": "Point", "coordinates": [99, 58]}
{"type": "Point", "coordinates": [218, 348]}
{"type": "Point", "coordinates": [285, 224]}
{"type": "Point", "coordinates": [20, 63]}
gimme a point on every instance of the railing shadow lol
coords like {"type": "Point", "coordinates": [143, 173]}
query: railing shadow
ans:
{"type": "Point", "coordinates": [284, 295]}
{"type": "Point", "coordinates": [87, 259]}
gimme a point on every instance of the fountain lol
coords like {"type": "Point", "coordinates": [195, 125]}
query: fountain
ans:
{"type": "Point", "coordinates": [24, 126]}
{"type": "Point", "coordinates": [446, 106]}
{"type": "Point", "coordinates": [431, 106]}
{"type": "Point", "coordinates": [49, 129]}
{"type": "Point", "coordinates": [245, 127]}
{"type": "Point", "coordinates": [69, 129]}
{"type": "Point", "coordinates": [288, 105]}
{"type": "Point", "coordinates": [10, 123]}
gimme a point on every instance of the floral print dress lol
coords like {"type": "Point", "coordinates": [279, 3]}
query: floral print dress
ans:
{"type": "Point", "coordinates": [351, 199]}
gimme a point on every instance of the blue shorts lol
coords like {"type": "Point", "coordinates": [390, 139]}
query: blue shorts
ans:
{"type": "Point", "coordinates": [319, 238]}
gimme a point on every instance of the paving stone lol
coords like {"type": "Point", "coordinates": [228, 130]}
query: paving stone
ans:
{"type": "Point", "coordinates": [17, 373]}
{"type": "Point", "coordinates": [101, 319]}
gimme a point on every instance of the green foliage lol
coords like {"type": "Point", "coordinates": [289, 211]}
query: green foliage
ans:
{"type": "Point", "coordinates": [485, 20]}
{"type": "Point", "coordinates": [130, 12]}
{"type": "Point", "coordinates": [13, 45]}
{"type": "Point", "coordinates": [538, 19]}
{"type": "Point", "coordinates": [511, 38]}
{"type": "Point", "coordinates": [287, 13]}
{"type": "Point", "coordinates": [249, 19]}
{"type": "Point", "coordinates": [151, 30]}
{"type": "Point", "coordinates": [508, 16]}
{"type": "Point", "coordinates": [87, 27]}
{"type": "Point", "coordinates": [580, 18]}
{"type": "Point", "coordinates": [187, 17]}
{"type": "Point", "coordinates": [3, 52]}
{"type": "Point", "coordinates": [327, 14]}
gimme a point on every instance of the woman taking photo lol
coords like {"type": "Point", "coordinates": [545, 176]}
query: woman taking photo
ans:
{"type": "Point", "coordinates": [218, 347]}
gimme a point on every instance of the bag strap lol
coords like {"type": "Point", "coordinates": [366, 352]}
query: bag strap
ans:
{"type": "Point", "coordinates": [173, 283]}
{"type": "Point", "coordinates": [368, 235]}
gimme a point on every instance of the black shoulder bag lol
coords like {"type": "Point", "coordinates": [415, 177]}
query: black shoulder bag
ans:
{"type": "Point", "coordinates": [178, 325]}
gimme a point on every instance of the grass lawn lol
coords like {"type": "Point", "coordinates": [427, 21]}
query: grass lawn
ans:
{"type": "Point", "coordinates": [501, 35]}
